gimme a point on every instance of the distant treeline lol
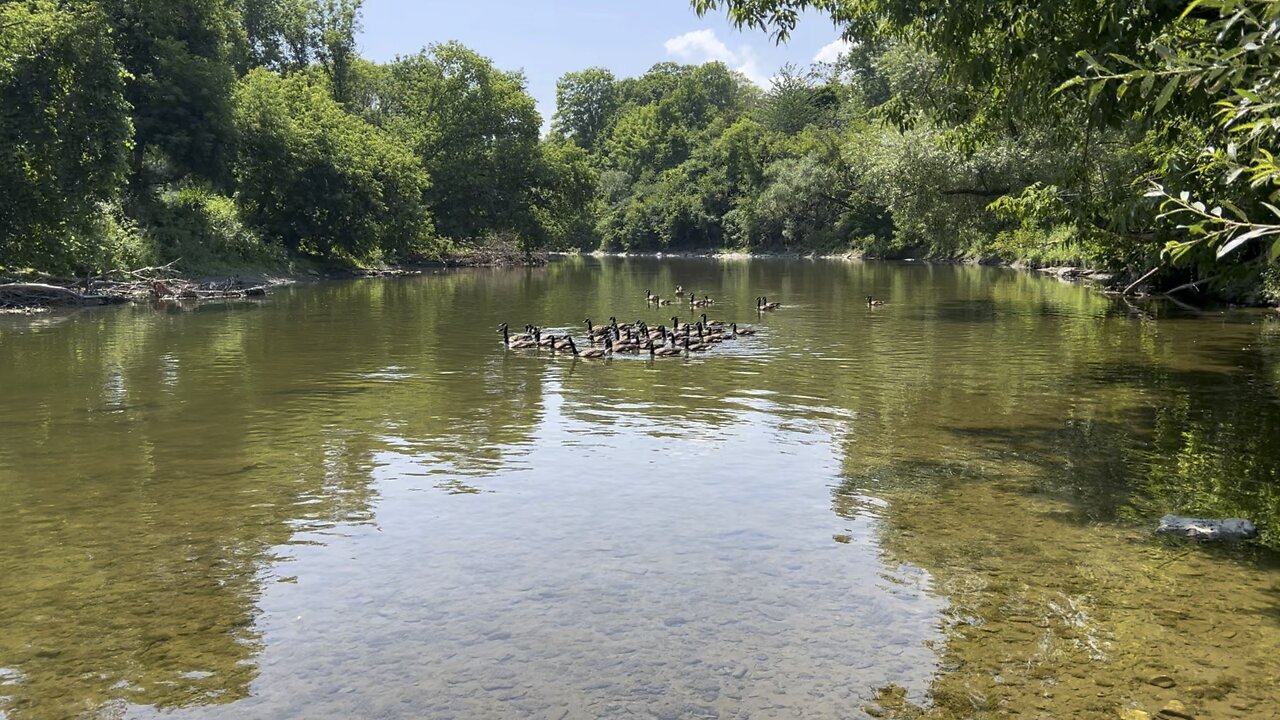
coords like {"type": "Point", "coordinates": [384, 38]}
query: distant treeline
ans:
{"type": "Point", "coordinates": [1126, 136]}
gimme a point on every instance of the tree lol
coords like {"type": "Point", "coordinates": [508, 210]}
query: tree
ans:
{"type": "Point", "coordinates": [796, 100]}
{"type": "Point", "coordinates": [475, 130]}
{"type": "Point", "coordinates": [1209, 65]}
{"type": "Point", "coordinates": [586, 106]}
{"type": "Point", "coordinates": [1236, 75]}
{"type": "Point", "coordinates": [279, 34]}
{"type": "Point", "coordinates": [337, 24]}
{"type": "Point", "coordinates": [64, 131]}
{"type": "Point", "coordinates": [322, 181]}
{"type": "Point", "coordinates": [179, 55]}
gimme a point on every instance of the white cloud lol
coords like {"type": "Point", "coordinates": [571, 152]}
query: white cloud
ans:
{"type": "Point", "coordinates": [702, 46]}
{"type": "Point", "coordinates": [832, 52]}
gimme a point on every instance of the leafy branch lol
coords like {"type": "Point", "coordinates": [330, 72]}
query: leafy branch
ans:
{"type": "Point", "coordinates": [1234, 61]}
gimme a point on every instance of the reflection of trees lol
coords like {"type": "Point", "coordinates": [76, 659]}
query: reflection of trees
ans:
{"type": "Point", "coordinates": [153, 459]}
{"type": "Point", "coordinates": [998, 473]}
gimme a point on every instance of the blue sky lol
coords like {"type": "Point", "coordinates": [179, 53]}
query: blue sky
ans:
{"type": "Point", "coordinates": [548, 39]}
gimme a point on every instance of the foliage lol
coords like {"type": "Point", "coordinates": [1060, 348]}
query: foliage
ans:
{"type": "Point", "coordinates": [321, 181]}
{"type": "Point", "coordinates": [179, 55]}
{"type": "Point", "coordinates": [475, 130]}
{"type": "Point", "coordinates": [64, 132]}
{"type": "Point", "coordinates": [586, 106]}
{"type": "Point", "coordinates": [205, 232]}
{"type": "Point", "coordinates": [1230, 66]}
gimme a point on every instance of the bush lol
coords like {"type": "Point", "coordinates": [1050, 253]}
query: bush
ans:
{"type": "Point", "coordinates": [206, 232]}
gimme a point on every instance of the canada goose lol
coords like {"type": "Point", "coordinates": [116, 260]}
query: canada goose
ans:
{"type": "Point", "coordinates": [668, 350]}
{"type": "Point", "coordinates": [594, 331]}
{"type": "Point", "coordinates": [872, 302]}
{"type": "Point", "coordinates": [619, 327]}
{"type": "Point", "coordinates": [649, 297]}
{"type": "Point", "coordinates": [692, 345]}
{"type": "Point", "coordinates": [663, 302]}
{"type": "Point", "coordinates": [624, 344]}
{"type": "Point", "coordinates": [563, 344]}
{"type": "Point", "coordinates": [594, 353]}
{"type": "Point", "coordinates": [707, 337]}
{"type": "Point", "coordinates": [508, 338]}
{"type": "Point", "coordinates": [695, 302]}
{"type": "Point", "coordinates": [544, 341]}
{"type": "Point", "coordinates": [518, 342]}
{"type": "Point", "coordinates": [676, 325]}
{"type": "Point", "coordinates": [762, 303]}
{"type": "Point", "coordinates": [663, 351]}
{"type": "Point", "coordinates": [711, 324]}
{"type": "Point", "coordinates": [743, 332]}
{"type": "Point", "coordinates": [679, 291]}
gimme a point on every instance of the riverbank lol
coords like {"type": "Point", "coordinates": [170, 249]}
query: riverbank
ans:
{"type": "Point", "coordinates": [1106, 280]}
{"type": "Point", "coordinates": [34, 291]}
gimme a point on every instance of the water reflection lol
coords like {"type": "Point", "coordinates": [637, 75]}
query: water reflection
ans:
{"type": "Point", "coordinates": [349, 501]}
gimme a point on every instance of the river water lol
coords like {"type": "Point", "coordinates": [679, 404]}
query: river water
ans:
{"type": "Point", "coordinates": [348, 500]}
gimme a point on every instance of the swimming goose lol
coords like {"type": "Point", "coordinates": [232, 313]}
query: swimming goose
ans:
{"type": "Point", "coordinates": [679, 291]}
{"type": "Point", "coordinates": [594, 334]}
{"type": "Point", "coordinates": [594, 353]}
{"type": "Point", "coordinates": [872, 302]}
{"type": "Point", "coordinates": [691, 344]}
{"type": "Point", "coordinates": [508, 338]}
{"type": "Point", "coordinates": [762, 303]}
{"type": "Point", "coordinates": [649, 297]}
{"type": "Point", "coordinates": [742, 332]}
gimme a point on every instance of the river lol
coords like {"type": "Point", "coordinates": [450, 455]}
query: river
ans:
{"type": "Point", "coordinates": [349, 500]}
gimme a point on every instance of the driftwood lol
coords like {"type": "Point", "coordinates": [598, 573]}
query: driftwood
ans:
{"type": "Point", "coordinates": [40, 294]}
{"type": "Point", "coordinates": [121, 286]}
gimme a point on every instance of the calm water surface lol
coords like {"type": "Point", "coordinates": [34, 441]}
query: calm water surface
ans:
{"type": "Point", "coordinates": [349, 501]}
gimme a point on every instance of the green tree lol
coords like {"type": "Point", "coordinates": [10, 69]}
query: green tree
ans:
{"type": "Point", "coordinates": [586, 106]}
{"type": "Point", "coordinates": [322, 181]}
{"type": "Point", "coordinates": [475, 130]}
{"type": "Point", "coordinates": [64, 131]}
{"type": "Point", "coordinates": [337, 24]}
{"type": "Point", "coordinates": [179, 54]}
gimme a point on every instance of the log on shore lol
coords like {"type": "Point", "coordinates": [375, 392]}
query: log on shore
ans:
{"type": "Point", "coordinates": [37, 294]}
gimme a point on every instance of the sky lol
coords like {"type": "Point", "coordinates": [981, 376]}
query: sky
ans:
{"type": "Point", "coordinates": [547, 39]}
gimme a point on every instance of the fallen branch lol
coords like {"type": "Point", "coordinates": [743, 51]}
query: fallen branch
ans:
{"type": "Point", "coordinates": [1194, 285]}
{"type": "Point", "coordinates": [29, 294]}
{"type": "Point", "coordinates": [1142, 279]}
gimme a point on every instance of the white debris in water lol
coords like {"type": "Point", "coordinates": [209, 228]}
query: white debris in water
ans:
{"type": "Point", "coordinates": [1207, 529]}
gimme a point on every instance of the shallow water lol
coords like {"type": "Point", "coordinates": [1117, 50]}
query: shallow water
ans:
{"type": "Point", "coordinates": [350, 501]}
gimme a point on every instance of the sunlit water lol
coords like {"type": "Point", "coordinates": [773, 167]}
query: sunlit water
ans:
{"type": "Point", "coordinates": [349, 501]}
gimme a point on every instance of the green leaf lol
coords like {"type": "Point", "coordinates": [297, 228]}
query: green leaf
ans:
{"type": "Point", "coordinates": [1148, 82]}
{"type": "Point", "coordinates": [1240, 240]}
{"type": "Point", "coordinates": [1167, 93]}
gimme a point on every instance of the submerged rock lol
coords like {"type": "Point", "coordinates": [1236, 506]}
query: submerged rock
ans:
{"type": "Point", "coordinates": [1207, 529]}
{"type": "Point", "coordinates": [1161, 681]}
{"type": "Point", "coordinates": [1175, 710]}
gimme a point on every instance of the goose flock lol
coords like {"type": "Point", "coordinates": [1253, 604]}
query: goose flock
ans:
{"type": "Point", "coordinates": [679, 339]}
